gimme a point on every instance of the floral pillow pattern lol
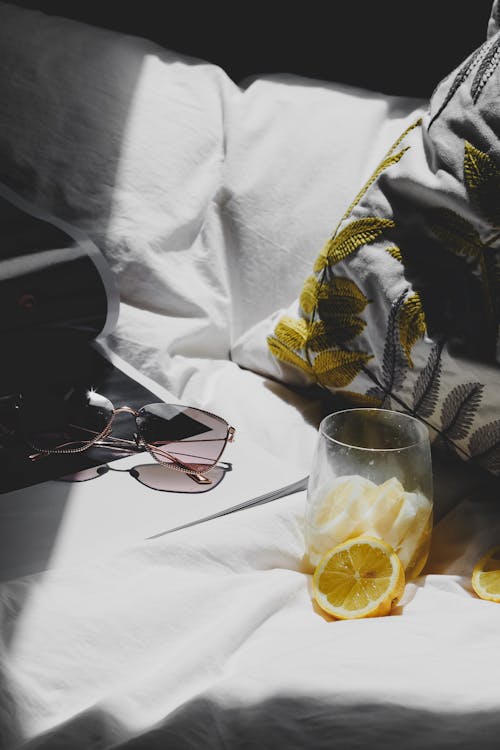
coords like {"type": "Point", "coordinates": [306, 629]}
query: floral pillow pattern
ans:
{"type": "Point", "coordinates": [402, 308]}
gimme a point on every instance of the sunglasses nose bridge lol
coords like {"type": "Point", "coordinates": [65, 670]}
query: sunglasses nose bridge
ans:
{"type": "Point", "coordinates": [125, 410]}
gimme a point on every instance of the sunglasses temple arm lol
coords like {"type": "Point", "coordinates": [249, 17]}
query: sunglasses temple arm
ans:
{"type": "Point", "coordinates": [118, 444]}
{"type": "Point", "coordinates": [196, 476]}
{"type": "Point", "coordinates": [129, 446]}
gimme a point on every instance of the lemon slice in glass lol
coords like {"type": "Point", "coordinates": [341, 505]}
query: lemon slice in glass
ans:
{"type": "Point", "coordinates": [362, 577]}
{"type": "Point", "coordinates": [486, 575]}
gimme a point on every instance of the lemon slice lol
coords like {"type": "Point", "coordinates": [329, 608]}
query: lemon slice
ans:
{"type": "Point", "coordinates": [486, 575]}
{"type": "Point", "coordinates": [363, 577]}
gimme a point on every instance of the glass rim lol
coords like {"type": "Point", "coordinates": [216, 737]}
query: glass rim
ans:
{"type": "Point", "coordinates": [421, 429]}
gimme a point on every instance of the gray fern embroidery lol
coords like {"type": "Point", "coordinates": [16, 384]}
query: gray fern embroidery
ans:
{"type": "Point", "coordinates": [457, 413]}
{"type": "Point", "coordinates": [474, 60]}
{"type": "Point", "coordinates": [484, 446]}
{"type": "Point", "coordinates": [380, 395]}
{"type": "Point", "coordinates": [426, 391]}
{"type": "Point", "coordinates": [486, 68]}
{"type": "Point", "coordinates": [394, 363]}
{"type": "Point", "coordinates": [459, 409]}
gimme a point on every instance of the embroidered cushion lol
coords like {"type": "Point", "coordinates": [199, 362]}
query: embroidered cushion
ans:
{"type": "Point", "coordinates": [401, 309]}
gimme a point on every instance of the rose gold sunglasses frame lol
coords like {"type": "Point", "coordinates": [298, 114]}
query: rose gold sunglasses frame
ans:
{"type": "Point", "coordinates": [105, 439]}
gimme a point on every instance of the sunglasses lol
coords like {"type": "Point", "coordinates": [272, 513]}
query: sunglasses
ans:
{"type": "Point", "coordinates": [186, 442]}
{"type": "Point", "coordinates": [156, 477]}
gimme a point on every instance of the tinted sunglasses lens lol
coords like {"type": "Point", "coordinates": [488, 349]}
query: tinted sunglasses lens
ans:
{"type": "Point", "coordinates": [83, 476]}
{"type": "Point", "coordinates": [180, 434]}
{"type": "Point", "coordinates": [65, 424]}
{"type": "Point", "coordinates": [162, 478]}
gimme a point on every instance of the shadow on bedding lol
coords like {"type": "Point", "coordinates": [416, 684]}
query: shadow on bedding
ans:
{"type": "Point", "coordinates": [68, 94]}
{"type": "Point", "coordinates": [292, 723]}
{"type": "Point", "coordinates": [79, 109]}
{"type": "Point", "coordinates": [454, 478]}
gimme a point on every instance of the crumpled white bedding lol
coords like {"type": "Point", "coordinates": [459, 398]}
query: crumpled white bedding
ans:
{"type": "Point", "coordinates": [208, 637]}
{"type": "Point", "coordinates": [209, 200]}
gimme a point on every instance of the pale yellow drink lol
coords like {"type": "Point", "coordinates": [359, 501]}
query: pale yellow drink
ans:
{"type": "Point", "coordinates": [352, 505]}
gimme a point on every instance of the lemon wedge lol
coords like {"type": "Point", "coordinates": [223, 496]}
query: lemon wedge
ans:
{"type": "Point", "coordinates": [363, 577]}
{"type": "Point", "coordinates": [486, 575]}
{"type": "Point", "coordinates": [354, 506]}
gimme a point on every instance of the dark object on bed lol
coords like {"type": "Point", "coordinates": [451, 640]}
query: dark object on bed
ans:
{"type": "Point", "coordinates": [57, 295]}
{"type": "Point", "coordinates": [385, 46]}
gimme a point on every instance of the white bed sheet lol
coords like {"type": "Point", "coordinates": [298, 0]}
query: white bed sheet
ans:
{"type": "Point", "coordinates": [207, 637]}
{"type": "Point", "coordinates": [57, 523]}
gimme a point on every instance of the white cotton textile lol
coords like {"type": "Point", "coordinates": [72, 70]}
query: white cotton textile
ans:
{"type": "Point", "coordinates": [124, 140]}
{"type": "Point", "coordinates": [209, 200]}
{"type": "Point", "coordinates": [298, 151]}
{"type": "Point", "coordinates": [210, 635]}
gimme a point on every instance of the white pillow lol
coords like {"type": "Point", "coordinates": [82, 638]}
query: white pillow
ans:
{"type": "Point", "coordinates": [124, 140]}
{"type": "Point", "coordinates": [401, 308]}
{"type": "Point", "coordinates": [209, 200]}
{"type": "Point", "coordinates": [298, 149]}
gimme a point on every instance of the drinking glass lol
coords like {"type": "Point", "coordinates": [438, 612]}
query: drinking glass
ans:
{"type": "Point", "coordinates": [371, 474]}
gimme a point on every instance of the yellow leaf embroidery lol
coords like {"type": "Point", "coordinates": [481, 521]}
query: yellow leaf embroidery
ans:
{"type": "Point", "coordinates": [335, 368]}
{"type": "Point", "coordinates": [482, 179]}
{"type": "Point", "coordinates": [458, 236]}
{"type": "Point", "coordinates": [411, 324]}
{"type": "Point", "coordinates": [344, 295]}
{"type": "Point", "coordinates": [350, 238]}
{"type": "Point", "coordinates": [349, 299]}
{"type": "Point", "coordinates": [395, 252]}
{"type": "Point", "coordinates": [317, 338]}
{"type": "Point", "coordinates": [338, 368]}
{"type": "Point", "coordinates": [455, 233]}
{"type": "Point", "coordinates": [279, 350]}
{"type": "Point", "coordinates": [309, 295]}
{"type": "Point", "coordinates": [385, 164]}
{"type": "Point", "coordinates": [339, 328]}
{"type": "Point", "coordinates": [292, 332]}
{"type": "Point", "coordinates": [360, 399]}
{"type": "Point", "coordinates": [389, 159]}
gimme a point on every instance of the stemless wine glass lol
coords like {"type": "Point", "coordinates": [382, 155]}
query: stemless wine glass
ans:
{"type": "Point", "coordinates": [371, 474]}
